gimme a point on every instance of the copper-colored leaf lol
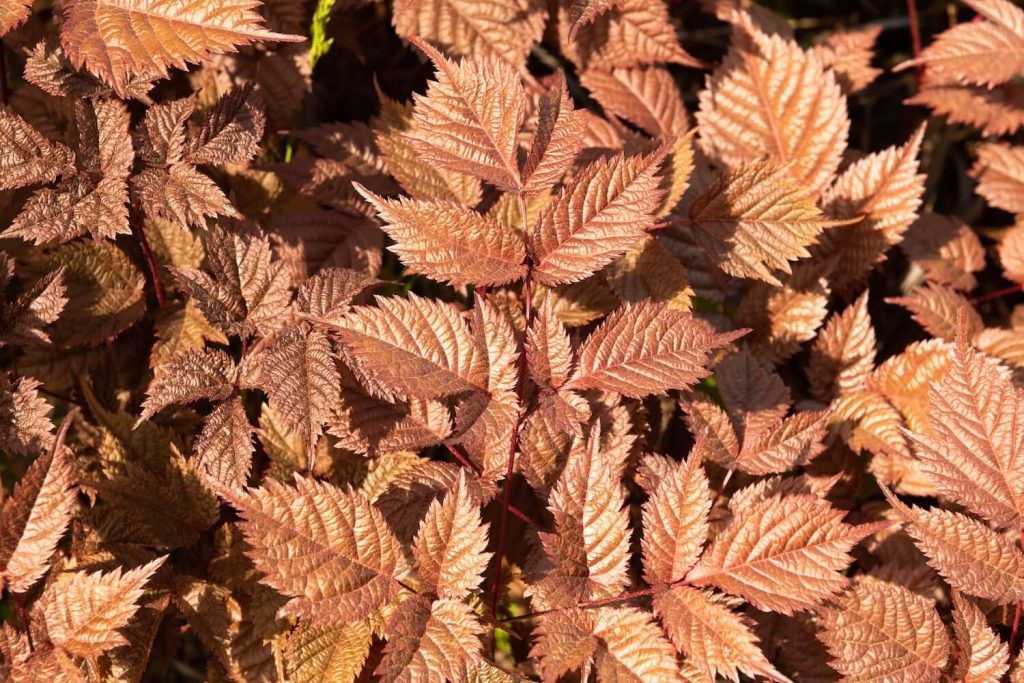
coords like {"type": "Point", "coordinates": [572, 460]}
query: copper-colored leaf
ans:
{"type": "Point", "coordinates": [332, 653]}
{"type": "Point", "coordinates": [646, 348]}
{"type": "Point", "coordinates": [84, 612]}
{"type": "Point", "coordinates": [879, 631]}
{"type": "Point", "coordinates": [223, 450]}
{"type": "Point", "coordinates": [450, 243]}
{"type": "Point", "coordinates": [777, 101]}
{"type": "Point", "coordinates": [330, 551]}
{"type": "Point", "coordinates": [843, 355]}
{"type": "Point", "coordinates": [936, 309]}
{"type": "Point", "coordinates": [431, 642]}
{"type": "Point", "coordinates": [556, 141]}
{"type": "Point", "coordinates": [983, 656]}
{"type": "Point", "coordinates": [645, 96]}
{"type": "Point", "coordinates": [601, 214]}
{"type": "Point", "coordinates": [468, 119]}
{"type": "Point", "coordinates": [117, 42]}
{"type": "Point", "coordinates": [798, 541]}
{"type": "Point", "coordinates": [28, 157]}
{"type": "Point", "coordinates": [999, 170]}
{"type": "Point", "coordinates": [675, 520]}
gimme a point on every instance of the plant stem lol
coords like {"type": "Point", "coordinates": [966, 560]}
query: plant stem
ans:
{"type": "Point", "coordinates": [465, 462]}
{"type": "Point", "coordinates": [915, 27]}
{"type": "Point", "coordinates": [506, 495]}
{"type": "Point", "coordinates": [998, 294]}
{"type": "Point", "coordinates": [135, 221]}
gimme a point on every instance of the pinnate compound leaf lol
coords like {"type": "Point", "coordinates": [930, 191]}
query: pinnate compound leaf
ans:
{"type": "Point", "coordinates": [449, 547]}
{"type": "Point", "coordinates": [469, 118]}
{"type": "Point", "coordinates": [605, 210]}
{"type": "Point", "coordinates": [771, 99]}
{"type": "Point", "coordinates": [331, 552]}
{"type": "Point", "coordinates": [983, 657]}
{"type": "Point", "coordinates": [675, 522]}
{"type": "Point", "coordinates": [718, 641]}
{"type": "Point", "coordinates": [191, 376]}
{"type": "Point", "coordinates": [118, 42]}
{"type": "Point", "coordinates": [797, 541]}
{"type": "Point", "coordinates": [880, 631]}
{"type": "Point", "coordinates": [974, 451]}
{"type": "Point", "coordinates": [415, 347]}
{"type": "Point", "coordinates": [84, 613]}
{"type": "Point", "coordinates": [431, 642]}
{"type": "Point", "coordinates": [646, 348]}
{"type": "Point", "coordinates": [755, 220]}
{"type": "Point", "coordinates": [35, 518]}
{"type": "Point", "coordinates": [971, 556]}
{"type": "Point", "coordinates": [27, 157]}
{"type": "Point", "coordinates": [450, 243]}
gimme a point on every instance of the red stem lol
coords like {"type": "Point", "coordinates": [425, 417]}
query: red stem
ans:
{"type": "Point", "coordinates": [1017, 613]}
{"type": "Point", "coordinates": [915, 27]}
{"type": "Point", "coordinates": [147, 254]}
{"type": "Point", "coordinates": [998, 294]}
{"type": "Point", "coordinates": [506, 495]}
{"type": "Point", "coordinates": [516, 512]}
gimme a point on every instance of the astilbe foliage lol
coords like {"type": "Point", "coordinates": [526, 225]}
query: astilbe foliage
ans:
{"type": "Point", "coordinates": [571, 363]}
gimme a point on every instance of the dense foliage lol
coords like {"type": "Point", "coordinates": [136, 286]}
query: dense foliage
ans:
{"type": "Point", "coordinates": [429, 340]}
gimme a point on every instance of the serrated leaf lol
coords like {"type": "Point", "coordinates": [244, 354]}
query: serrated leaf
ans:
{"type": "Point", "coordinates": [430, 642]}
{"type": "Point", "coordinates": [35, 518]}
{"type": "Point", "coordinates": [84, 612]}
{"type": "Point", "coordinates": [557, 139]}
{"type": "Point", "coordinates": [647, 97]}
{"type": "Point", "coordinates": [797, 541]}
{"type": "Point", "coordinates": [843, 355]}
{"type": "Point", "coordinates": [999, 170]}
{"type": "Point", "coordinates": [25, 426]}
{"type": "Point", "coordinates": [983, 656]}
{"type": "Point", "coordinates": [329, 551]}
{"type": "Point", "coordinates": [603, 212]}
{"type": "Point", "coordinates": [675, 522]}
{"type": "Point", "coordinates": [646, 348]}
{"type": "Point", "coordinates": [191, 376]}
{"type": "Point", "coordinates": [332, 653]}
{"type": "Point", "coordinates": [879, 631]}
{"type": "Point", "coordinates": [223, 450]}
{"type": "Point", "coordinates": [469, 118]}
{"type": "Point", "coordinates": [27, 157]}
{"type": "Point", "coordinates": [771, 99]}
{"type": "Point", "coordinates": [450, 243]}
{"type": "Point", "coordinates": [117, 42]}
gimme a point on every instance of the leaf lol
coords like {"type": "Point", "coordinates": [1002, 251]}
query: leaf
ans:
{"type": "Point", "coordinates": [13, 13]}
{"type": "Point", "coordinates": [469, 118]}
{"type": "Point", "coordinates": [84, 612]}
{"type": "Point", "coordinates": [35, 518]}
{"type": "Point", "coordinates": [430, 641]}
{"type": "Point", "coordinates": [189, 377]}
{"type": "Point", "coordinates": [675, 522]}
{"type": "Point", "coordinates": [582, 12]}
{"type": "Point", "coordinates": [419, 179]}
{"type": "Point", "coordinates": [983, 657]}
{"type": "Point", "coordinates": [948, 250]}
{"type": "Point", "coordinates": [879, 631]}
{"type": "Point", "coordinates": [632, 33]}
{"type": "Point", "coordinates": [969, 555]}
{"type": "Point", "coordinates": [710, 634]}
{"type": "Point", "coordinates": [25, 426]}
{"type": "Point", "coordinates": [248, 291]}
{"type": "Point", "coordinates": [632, 647]}
{"type": "Point", "coordinates": [182, 330]}
{"type": "Point", "coordinates": [776, 101]}
{"type": "Point", "coordinates": [230, 131]}
{"type": "Point", "coordinates": [549, 355]}
{"type": "Point", "coordinates": [999, 170]}
{"type": "Point", "coordinates": [415, 348]}
{"type": "Point", "coordinates": [603, 212]}
{"type": "Point", "coordinates": [849, 54]}
{"type": "Point", "coordinates": [28, 157]}
{"type": "Point", "coordinates": [504, 31]}
{"type": "Point", "coordinates": [450, 243]}
{"type": "Point", "coordinates": [118, 43]}
{"type": "Point", "coordinates": [557, 139]}
{"type": "Point", "coordinates": [312, 240]}
{"type": "Point", "coordinates": [329, 551]}
{"type": "Point", "coordinates": [182, 194]}
{"type": "Point", "coordinates": [796, 541]}
{"type": "Point", "coordinates": [985, 53]}
{"type": "Point", "coordinates": [754, 220]}
{"type": "Point", "coordinates": [332, 653]}
{"type": "Point", "coordinates": [884, 190]}
{"type": "Point", "coordinates": [647, 97]}
{"type": "Point", "coordinates": [994, 111]}
{"type": "Point", "coordinates": [976, 440]}
{"type": "Point", "coordinates": [449, 547]}
{"type": "Point", "coordinates": [843, 355]}
{"type": "Point", "coordinates": [590, 547]}
{"type": "Point", "coordinates": [299, 374]}
{"type": "Point", "coordinates": [650, 271]}
{"type": "Point", "coordinates": [936, 309]}
{"type": "Point", "coordinates": [646, 348]}
{"type": "Point", "coordinates": [223, 450]}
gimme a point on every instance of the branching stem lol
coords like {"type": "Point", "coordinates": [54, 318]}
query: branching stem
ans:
{"type": "Point", "coordinates": [135, 220]}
